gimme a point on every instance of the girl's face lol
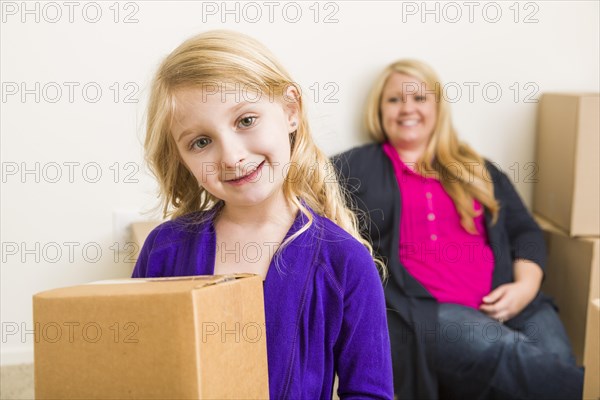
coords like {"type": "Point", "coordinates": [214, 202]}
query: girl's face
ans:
{"type": "Point", "coordinates": [237, 150]}
{"type": "Point", "coordinates": [408, 112]}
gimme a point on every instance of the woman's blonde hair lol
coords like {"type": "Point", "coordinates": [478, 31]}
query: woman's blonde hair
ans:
{"type": "Point", "coordinates": [459, 168]}
{"type": "Point", "coordinates": [230, 58]}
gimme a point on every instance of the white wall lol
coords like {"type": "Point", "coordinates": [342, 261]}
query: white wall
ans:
{"type": "Point", "coordinates": [557, 51]}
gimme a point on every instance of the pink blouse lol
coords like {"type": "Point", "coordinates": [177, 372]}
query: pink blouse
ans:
{"type": "Point", "coordinates": [454, 265]}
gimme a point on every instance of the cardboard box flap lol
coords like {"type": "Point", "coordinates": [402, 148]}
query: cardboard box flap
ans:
{"type": "Point", "coordinates": [548, 226]}
{"type": "Point", "coordinates": [142, 286]}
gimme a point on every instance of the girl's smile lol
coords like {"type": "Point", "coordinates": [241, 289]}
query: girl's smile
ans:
{"type": "Point", "coordinates": [251, 177]}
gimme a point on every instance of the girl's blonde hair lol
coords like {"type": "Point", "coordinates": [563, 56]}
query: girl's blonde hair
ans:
{"type": "Point", "coordinates": [459, 168]}
{"type": "Point", "coordinates": [217, 58]}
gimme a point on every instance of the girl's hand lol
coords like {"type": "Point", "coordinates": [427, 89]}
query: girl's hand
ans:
{"type": "Point", "coordinates": [508, 300]}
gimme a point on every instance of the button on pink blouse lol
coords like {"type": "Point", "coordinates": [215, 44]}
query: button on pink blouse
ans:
{"type": "Point", "coordinates": [454, 265]}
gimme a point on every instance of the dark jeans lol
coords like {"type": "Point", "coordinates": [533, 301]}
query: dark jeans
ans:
{"type": "Point", "coordinates": [479, 358]}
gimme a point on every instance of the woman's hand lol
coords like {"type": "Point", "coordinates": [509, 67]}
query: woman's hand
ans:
{"type": "Point", "coordinates": [508, 300]}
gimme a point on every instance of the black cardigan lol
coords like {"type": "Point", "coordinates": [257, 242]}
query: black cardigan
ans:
{"type": "Point", "coordinates": [368, 176]}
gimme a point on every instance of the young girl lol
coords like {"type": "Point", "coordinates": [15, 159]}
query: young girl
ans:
{"type": "Point", "coordinates": [248, 191]}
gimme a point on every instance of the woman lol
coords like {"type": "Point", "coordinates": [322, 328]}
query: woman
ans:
{"type": "Point", "coordinates": [465, 258]}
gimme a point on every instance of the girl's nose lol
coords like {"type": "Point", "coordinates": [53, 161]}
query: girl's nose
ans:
{"type": "Point", "coordinates": [233, 153]}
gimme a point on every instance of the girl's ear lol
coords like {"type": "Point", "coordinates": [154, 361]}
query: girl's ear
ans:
{"type": "Point", "coordinates": [291, 107]}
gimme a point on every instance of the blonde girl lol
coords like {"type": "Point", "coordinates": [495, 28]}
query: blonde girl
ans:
{"type": "Point", "coordinates": [247, 190]}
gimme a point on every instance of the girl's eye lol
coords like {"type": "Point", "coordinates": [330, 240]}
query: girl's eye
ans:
{"type": "Point", "coordinates": [247, 122]}
{"type": "Point", "coordinates": [200, 143]}
{"type": "Point", "coordinates": [420, 99]}
{"type": "Point", "coordinates": [392, 100]}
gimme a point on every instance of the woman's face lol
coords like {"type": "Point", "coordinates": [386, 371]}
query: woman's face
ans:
{"type": "Point", "coordinates": [408, 112]}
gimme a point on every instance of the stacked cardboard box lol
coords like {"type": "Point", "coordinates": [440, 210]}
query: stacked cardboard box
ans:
{"type": "Point", "coordinates": [197, 337]}
{"type": "Point", "coordinates": [567, 206]}
{"type": "Point", "coordinates": [567, 192]}
{"type": "Point", "coordinates": [138, 234]}
{"type": "Point", "coordinates": [591, 361]}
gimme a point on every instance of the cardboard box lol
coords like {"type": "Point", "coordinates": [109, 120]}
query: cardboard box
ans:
{"type": "Point", "coordinates": [571, 279]}
{"type": "Point", "coordinates": [591, 360]}
{"type": "Point", "coordinates": [567, 191]}
{"type": "Point", "coordinates": [139, 233]}
{"type": "Point", "coordinates": [197, 337]}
